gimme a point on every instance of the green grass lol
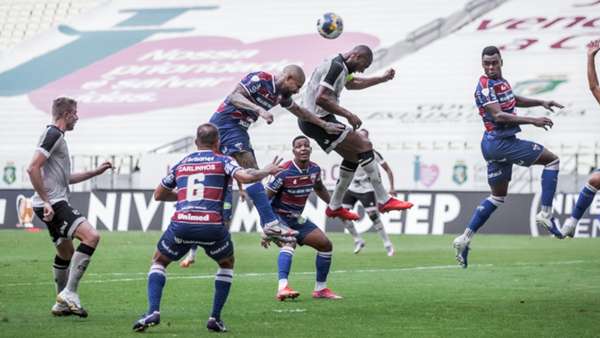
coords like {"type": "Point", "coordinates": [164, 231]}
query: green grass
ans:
{"type": "Point", "coordinates": [516, 286]}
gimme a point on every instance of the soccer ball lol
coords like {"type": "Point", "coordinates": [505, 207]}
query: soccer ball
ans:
{"type": "Point", "coordinates": [330, 25]}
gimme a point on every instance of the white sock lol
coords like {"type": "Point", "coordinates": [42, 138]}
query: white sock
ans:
{"type": "Point", "coordinates": [346, 176]}
{"type": "Point", "coordinates": [372, 171]}
{"type": "Point", "coordinates": [547, 209]}
{"type": "Point", "coordinates": [352, 230]}
{"type": "Point", "coordinates": [282, 284]}
{"type": "Point", "coordinates": [468, 234]}
{"type": "Point", "coordinates": [381, 230]}
{"type": "Point", "coordinates": [320, 286]}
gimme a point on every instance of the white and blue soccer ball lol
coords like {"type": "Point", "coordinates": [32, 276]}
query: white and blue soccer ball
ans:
{"type": "Point", "coordinates": [330, 25]}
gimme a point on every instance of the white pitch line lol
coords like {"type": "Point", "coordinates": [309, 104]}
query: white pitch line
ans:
{"type": "Point", "coordinates": [265, 274]}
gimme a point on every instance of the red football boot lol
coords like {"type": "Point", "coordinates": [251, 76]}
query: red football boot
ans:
{"type": "Point", "coordinates": [286, 293]}
{"type": "Point", "coordinates": [342, 213]}
{"type": "Point", "coordinates": [326, 293]}
{"type": "Point", "coordinates": [394, 204]}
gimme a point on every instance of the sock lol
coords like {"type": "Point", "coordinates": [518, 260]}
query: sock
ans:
{"type": "Point", "coordinates": [369, 165]}
{"type": "Point", "coordinates": [468, 233]}
{"type": "Point", "coordinates": [323, 263]}
{"type": "Point", "coordinates": [484, 211]}
{"type": "Point", "coordinates": [549, 181]}
{"type": "Point", "coordinates": [586, 196]}
{"type": "Point", "coordinates": [157, 277]}
{"type": "Point", "coordinates": [347, 170]}
{"type": "Point", "coordinates": [61, 273]}
{"type": "Point", "coordinates": [284, 264]}
{"type": "Point", "coordinates": [223, 280]}
{"type": "Point", "coordinates": [377, 225]}
{"type": "Point", "coordinates": [352, 230]}
{"type": "Point", "coordinates": [79, 262]}
{"type": "Point", "coordinates": [193, 252]}
{"type": "Point", "coordinates": [256, 192]}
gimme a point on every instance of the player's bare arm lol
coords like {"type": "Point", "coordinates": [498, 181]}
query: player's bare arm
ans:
{"type": "Point", "coordinates": [322, 192]}
{"type": "Point", "coordinates": [305, 115]}
{"type": "Point", "coordinates": [390, 175]}
{"type": "Point", "coordinates": [253, 175]}
{"type": "Point", "coordinates": [35, 175]}
{"type": "Point", "coordinates": [528, 102]}
{"type": "Point", "coordinates": [326, 100]}
{"type": "Point", "coordinates": [240, 99]}
{"type": "Point", "coordinates": [499, 116]}
{"type": "Point", "coordinates": [164, 194]}
{"type": "Point", "coordinates": [357, 83]}
{"type": "Point", "coordinates": [593, 48]}
{"type": "Point", "coordinates": [80, 177]}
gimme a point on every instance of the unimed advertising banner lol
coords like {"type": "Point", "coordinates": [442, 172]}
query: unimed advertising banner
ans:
{"type": "Point", "coordinates": [433, 213]}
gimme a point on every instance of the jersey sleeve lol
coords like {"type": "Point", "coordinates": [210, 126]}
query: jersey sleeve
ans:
{"type": "Point", "coordinates": [276, 182]}
{"type": "Point", "coordinates": [170, 181]}
{"type": "Point", "coordinates": [230, 166]}
{"type": "Point", "coordinates": [49, 141]}
{"type": "Point", "coordinates": [379, 158]}
{"type": "Point", "coordinates": [253, 82]}
{"type": "Point", "coordinates": [335, 70]}
{"type": "Point", "coordinates": [485, 94]}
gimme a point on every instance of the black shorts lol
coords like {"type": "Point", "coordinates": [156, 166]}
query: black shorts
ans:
{"type": "Point", "coordinates": [64, 223]}
{"type": "Point", "coordinates": [326, 141]}
{"type": "Point", "coordinates": [367, 199]}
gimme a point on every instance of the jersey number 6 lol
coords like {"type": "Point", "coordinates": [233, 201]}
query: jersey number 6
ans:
{"type": "Point", "coordinates": [195, 187]}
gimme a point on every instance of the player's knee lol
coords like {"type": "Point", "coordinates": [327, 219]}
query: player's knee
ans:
{"type": "Point", "coordinates": [93, 238]}
{"type": "Point", "coordinates": [364, 145]}
{"type": "Point", "coordinates": [227, 263]}
{"type": "Point", "coordinates": [594, 180]}
{"type": "Point", "coordinates": [373, 216]}
{"type": "Point", "coordinates": [326, 246]}
{"type": "Point", "coordinates": [554, 163]}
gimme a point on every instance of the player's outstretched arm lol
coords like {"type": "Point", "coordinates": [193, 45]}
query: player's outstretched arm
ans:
{"type": "Point", "coordinates": [161, 193]}
{"type": "Point", "coordinates": [501, 117]}
{"type": "Point", "coordinates": [305, 115]}
{"type": "Point", "coordinates": [327, 100]}
{"type": "Point", "coordinates": [240, 99]}
{"type": "Point", "coordinates": [593, 48]}
{"type": "Point", "coordinates": [322, 192]}
{"type": "Point", "coordinates": [528, 102]}
{"type": "Point", "coordinates": [80, 177]}
{"type": "Point", "coordinates": [357, 83]}
{"type": "Point", "coordinates": [251, 175]}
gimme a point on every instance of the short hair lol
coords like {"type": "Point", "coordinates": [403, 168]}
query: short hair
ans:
{"type": "Point", "coordinates": [61, 105]}
{"type": "Point", "coordinates": [295, 71]}
{"type": "Point", "coordinates": [298, 138]}
{"type": "Point", "coordinates": [363, 50]}
{"type": "Point", "coordinates": [207, 134]}
{"type": "Point", "coordinates": [491, 50]}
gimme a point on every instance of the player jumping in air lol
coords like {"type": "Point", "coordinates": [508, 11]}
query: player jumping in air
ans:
{"type": "Point", "coordinates": [198, 184]}
{"type": "Point", "coordinates": [253, 97]}
{"type": "Point", "coordinates": [586, 196]}
{"type": "Point", "coordinates": [501, 148]}
{"type": "Point", "coordinates": [289, 191]}
{"type": "Point", "coordinates": [361, 190]}
{"type": "Point", "coordinates": [50, 174]}
{"type": "Point", "coordinates": [321, 96]}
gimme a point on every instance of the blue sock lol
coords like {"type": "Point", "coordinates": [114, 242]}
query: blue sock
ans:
{"type": "Point", "coordinates": [549, 181]}
{"type": "Point", "coordinates": [586, 196]}
{"type": "Point", "coordinates": [222, 285]}
{"type": "Point", "coordinates": [257, 193]}
{"type": "Point", "coordinates": [323, 263]}
{"type": "Point", "coordinates": [484, 211]}
{"type": "Point", "coordinates": [157, 277]}
{"type": "Point", "coordinates": [284, 262]}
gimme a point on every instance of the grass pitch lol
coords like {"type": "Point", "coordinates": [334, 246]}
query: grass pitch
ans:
{"type": "Point", "coordinates": [515, 286]}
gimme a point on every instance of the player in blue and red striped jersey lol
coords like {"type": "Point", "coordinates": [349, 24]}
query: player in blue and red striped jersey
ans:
{"type": "Point", "coordinates": [252, 98]}
{"type": "Point", "coordinates": [198, 183]}
{"type": "Point", "coordinates": [289, 191]}
{"type": "Point", "coordinates": [501, 148]}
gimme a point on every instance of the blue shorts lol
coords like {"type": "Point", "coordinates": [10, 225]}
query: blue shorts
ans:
{"type": "Point", "coordinates": [234, 140]}
{"type": "Point", "coordinates": [177, 240]}
{"type": "Point", "coordinates": [303, 225]}
{"type": "Point", "coordinates": [502, 153]}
